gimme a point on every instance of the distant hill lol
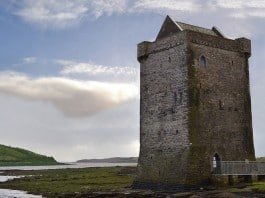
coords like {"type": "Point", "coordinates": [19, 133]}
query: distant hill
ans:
{"type": "Point", "coordinates": [111, 160]}
{"type": "Point", "coordinates": [10, 156]}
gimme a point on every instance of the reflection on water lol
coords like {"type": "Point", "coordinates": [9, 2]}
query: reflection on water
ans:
{"type": "Point", "coordinates": [6, 193]}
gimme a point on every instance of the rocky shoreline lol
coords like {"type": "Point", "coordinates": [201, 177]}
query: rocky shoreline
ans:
{"type": "Point", "coordinates": [151, 194]}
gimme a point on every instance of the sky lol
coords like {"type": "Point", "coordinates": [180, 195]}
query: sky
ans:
{"type": "Point", "coordinates": [69, 76]}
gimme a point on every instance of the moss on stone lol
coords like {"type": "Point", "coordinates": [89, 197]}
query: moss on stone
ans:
{"type": "Point", "coordinates": [249, 132]}
{"type": "Point", "coordinates": [192, 124]}
{"type": "Point", "coordinates": [197, 174]}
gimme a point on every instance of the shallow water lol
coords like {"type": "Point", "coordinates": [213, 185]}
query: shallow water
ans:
{"type": "Point", "coordinates": [5, 178]}
{"type": "Point", "coordinates": [6, 193]}
{"type": "Point", "coordinates": [69, 165]}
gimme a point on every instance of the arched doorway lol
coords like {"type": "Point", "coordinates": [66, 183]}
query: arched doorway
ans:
{"type": "Point", "coordinates": [202, 61]}
{"type": "Point", "coordinates": [216, 164]}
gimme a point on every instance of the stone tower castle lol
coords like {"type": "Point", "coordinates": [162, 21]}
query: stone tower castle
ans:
{"type": "Point", "coordinates": [195, 107]}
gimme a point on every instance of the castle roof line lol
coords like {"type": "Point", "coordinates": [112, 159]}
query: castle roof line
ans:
{"type": "Point", "coordinates": [170, 26]}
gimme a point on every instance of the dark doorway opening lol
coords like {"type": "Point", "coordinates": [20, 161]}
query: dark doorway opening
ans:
{"type": "Point", "coordinates": [216, 164]}
{"type": "Point", "coordinates": [202, 61]}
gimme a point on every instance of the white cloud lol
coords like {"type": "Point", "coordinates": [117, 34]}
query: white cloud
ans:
{"type": "Point", "coordinates": [65, 13]}
{"type": "Point", "coordinates": [100, 7]}
{"type": "Point", "coordinates": [51, 12]}
{"type": "Point", "coordinates": [166, 5]}
{"type": "Point", "coordinates": [128, 74]}
{"type": "Point", "coordinates": [240, 8]}
{"type": "Point", "coordinates": [238, 4]}
{"type": "Point", "coordinates": [72, 97]}
{"type": "Point", "coordinates": [250, 13]}
{"type": "Point", "coordinates": [29, 60]}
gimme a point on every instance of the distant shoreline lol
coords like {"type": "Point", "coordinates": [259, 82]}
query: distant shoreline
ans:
{"type": "Point", "coordinates": [110, 160]}
{"type": "Point", "coordinates": [17, 164]}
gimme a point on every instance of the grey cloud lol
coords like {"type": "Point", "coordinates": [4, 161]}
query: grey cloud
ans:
{"type": "Point", "coordinates": [257, 73]}
{"type": "Point", "coordinates": [44, 130]}
{"type": "Point", "coordinates": [72, 97]}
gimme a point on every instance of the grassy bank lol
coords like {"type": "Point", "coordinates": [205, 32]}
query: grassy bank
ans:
{"type": "Point", "coordinates": [71, 182]}
{"type": "Point", "coordinates": [12, 156]}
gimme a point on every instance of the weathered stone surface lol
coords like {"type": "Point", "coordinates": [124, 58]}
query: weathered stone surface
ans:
{"type": "Point", "coordinates": [194, 104]}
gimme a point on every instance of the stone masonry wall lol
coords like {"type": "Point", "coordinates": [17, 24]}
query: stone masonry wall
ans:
{"type": "Point", "coordinates": [221, 119]}
{"type": "Point", "coordinates": [191, 111]}
{"type": "Point", "coordinates": [164, 112]}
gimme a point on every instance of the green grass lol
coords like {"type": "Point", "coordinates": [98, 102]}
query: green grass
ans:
{"type": "Point", "coordinates": [254, 187]}
{"type": "Point", "coordinates": [260, 159]}
{"type": "Point", "coordinates": [10, 156]}
{"type": "Point", "coordinates": [55, 183]}
{"type": "Point", "coordinates": [258, 186]}
{"type": "Point", "coordinates": [83, 182]}
{"type": "Point", "coordinates": [238, 190]}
